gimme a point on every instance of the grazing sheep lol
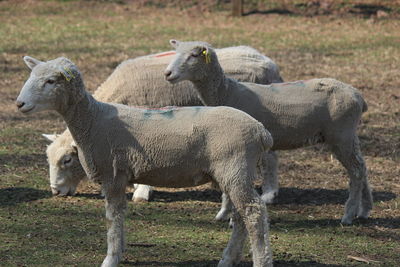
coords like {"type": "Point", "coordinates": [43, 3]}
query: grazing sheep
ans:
{"type": "Point", "coordinates": [139, 82]}
{"type": "Point", "coordinates": [297, 114]}
{"type": "Point", "coordinates": [173, 147]}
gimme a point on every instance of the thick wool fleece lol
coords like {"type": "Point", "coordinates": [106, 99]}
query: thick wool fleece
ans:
{"type": "Point", "coordinates": [297, 114]}
{"type": "Point", "coordinates": [165, 147]}
{"type": "Point", "coordinates": [140, 82]}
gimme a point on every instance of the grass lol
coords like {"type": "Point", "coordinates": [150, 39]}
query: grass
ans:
{"type": "Point", "coordinates": [177, 229]}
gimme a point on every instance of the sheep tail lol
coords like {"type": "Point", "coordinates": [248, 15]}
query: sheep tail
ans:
{"type": "Point", "coordinates": [360, 100]}
{"type": "Point", "coordinates": [364, 105]}
{"type": "Point", "coordinates": [266, 138]}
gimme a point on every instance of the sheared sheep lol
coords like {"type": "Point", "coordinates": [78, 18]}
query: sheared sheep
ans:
{"type": "Point", "coordinates": [297, 114]}
{"type": "Point", "coordinates": [174, 147]}
{"type": "Point", "coordinates": [140, 82]}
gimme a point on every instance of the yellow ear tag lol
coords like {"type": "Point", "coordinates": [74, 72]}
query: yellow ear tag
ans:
{"type": "Point", "coordinates": [68, 77]}
{"type": "Point", "coordinates": [207, 56]}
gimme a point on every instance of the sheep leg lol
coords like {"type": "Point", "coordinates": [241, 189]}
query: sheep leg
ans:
{"type": "Point", "coordinates": [233, 252]}
{"type": "Point", "coordinates": [142, 193]}
{"type": "Point", "coordinates": [253, 212]}
{"type": "Point", "coordinates": [360, 197]}
{"type": "Point", "coordinates": [270, 185]}
{"type": "Point", "coordinates": [366, 201]}
{"type": "Point", "coordinates": [115, 214]}
{"type": "Point", "coordinates": [226, 208]}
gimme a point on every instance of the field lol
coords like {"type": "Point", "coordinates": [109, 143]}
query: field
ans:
{"type": "Point", "coordinates": [177, 227]}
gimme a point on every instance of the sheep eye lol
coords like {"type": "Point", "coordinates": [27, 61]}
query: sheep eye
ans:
{"type": "Point", "coordinates": [67, 160]}
{"type": "Point", "coordinates": [50, 81]}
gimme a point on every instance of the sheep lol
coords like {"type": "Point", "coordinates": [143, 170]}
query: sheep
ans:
{"type": "Point", "coordinates": [172, 147]}
{"type": "Point", "coordinates": [140, 82]}
{"type": "Point", "coordinates": [297, 114]}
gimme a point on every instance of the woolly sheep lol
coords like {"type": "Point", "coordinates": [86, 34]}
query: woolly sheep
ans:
{"type": "Point", "coordinates": [140, 82]}
{"type": "Point", "coordinates": [297, 114]}
{"type": "Point", "coordinates": [174, 147]}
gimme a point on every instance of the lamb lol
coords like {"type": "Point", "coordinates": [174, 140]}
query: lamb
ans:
{"type": "Point", "coordinates": [174, 147]}
{"type": "Point", "coordinates": [297, 114]}
{"type": "Point", "coordinates": [140, 82]}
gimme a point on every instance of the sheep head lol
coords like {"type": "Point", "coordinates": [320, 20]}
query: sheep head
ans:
{"type": "Point", "coordinates": [65, 170]}
{"type": "Point", "coordinates": [44, 88]}
{"type": "Point", "coordinates": [190, 62]}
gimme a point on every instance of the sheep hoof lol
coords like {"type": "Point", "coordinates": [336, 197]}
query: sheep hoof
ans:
{"type": "Point", "coordinates": [142, 194]}
{"type": "Point", "coordinates": [226, 263]}
{"type": "Point", "coordinates": [222, 215]}
{"type": "Point", "coordinates": [346, 220]}
{"type": "Point", "coordinates": [269, 197]}
{"type": "Point", "coordinates": [363, 214]}
{"type": "Point", "coordinates": [110, 261]}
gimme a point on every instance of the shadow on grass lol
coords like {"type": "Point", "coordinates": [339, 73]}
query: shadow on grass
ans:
{"type": "Point", "coordinates": [164, 196]}
{"type": "Point", "coordinates": [215, 263]}
{"type": "Point", "coordinates": [391, 223]}
{"type": "Point", "coordinates": [304, 264]}
{"type": "Point", "coordinates": [93, 195]}
{"type": "Point", "coordinates": [287, 195]}
{"type": "Point", "coordinates": [319, 196]}
{"type": "Point", "coordinates": [280, 11]}
{"type": "Point", "coordinates": [315, 8]}
{"type": "Point", "coordinates": [195, 195]}
{"type": "Point", "coordinates": [14, 195]}
{"type": "Point", "coordinates": [173, 264]}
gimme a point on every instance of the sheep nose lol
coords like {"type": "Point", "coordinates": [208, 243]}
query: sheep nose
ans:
{"type": "Point", "coordinates": [167, 73]}
{"type": "Point", "coordinates": [54, 191]}
{"type": "Point", "coordinates": [19, 104]}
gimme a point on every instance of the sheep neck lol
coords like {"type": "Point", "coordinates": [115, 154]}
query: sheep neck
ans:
{"type": "Point", "coordinates": [212, 88]}
{"type": "Point", "coordinates": [79, 115]}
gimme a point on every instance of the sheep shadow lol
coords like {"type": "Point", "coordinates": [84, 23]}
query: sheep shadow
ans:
{"type": "Point", "coordinates": [14, 195]}
{"type": "Point", "coordinates": [283, 263]}
{"type": "Point", "coordinates": [194, 195]}
{"type": "Point", "coordinates": [168, 196]}
{"type": "Point", "coordinates": [214, 263]}
{"type": "Point", "coordinates": [321, 196]}
{"type": "Point", "coordinates": [389, 223]}
{"type": "Point", "coordinates": [279, 11]}
{"type": "Point", "coordinates": [173, 264]}
{"type": "Point", "coordinates": [287, 195]}
{"type": "Point", "coordinates": [316, 8]}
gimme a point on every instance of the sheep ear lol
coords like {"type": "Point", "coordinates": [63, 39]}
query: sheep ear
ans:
{"type": "Point", "coordinates": [206, 53]}
{"type": "Point", "coordinates": [31, 62]}
{"type": "Point", "coordinates": [50, 137]}
{"type": "Point", "coordinates": [205, 49]}
{"type": "Point", "coordinates": [67, 73]}
{"type": "Point", "coordinates": [74, 146]}
{"type": "Point", "coordinates": [174, 43]}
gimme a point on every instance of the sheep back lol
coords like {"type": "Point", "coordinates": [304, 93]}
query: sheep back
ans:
{"type": "Point", "coordinates": [141, 82]}
{"type": "Point", "coordinates": [152, 144]}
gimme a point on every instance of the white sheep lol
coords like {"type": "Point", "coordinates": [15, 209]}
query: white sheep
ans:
{"type": "Point", "coordinates": [297, 114]}
{"type": "Point", "coordinates": [172, 147]}
{"type": "Point", "coordinates": [140, 82]}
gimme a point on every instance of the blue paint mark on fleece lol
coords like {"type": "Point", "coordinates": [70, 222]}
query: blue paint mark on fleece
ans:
{"type": "Point", "coordinates": [275, 87]}
{"type": "Point", "coordinates": [169, 111]}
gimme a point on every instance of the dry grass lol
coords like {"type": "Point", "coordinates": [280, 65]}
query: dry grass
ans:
{"type": "Point", "coordinates": [177, 228]}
